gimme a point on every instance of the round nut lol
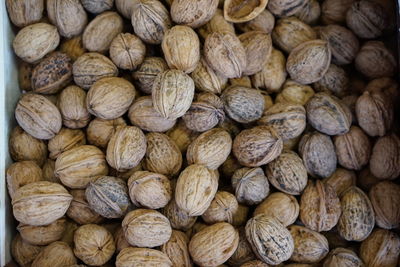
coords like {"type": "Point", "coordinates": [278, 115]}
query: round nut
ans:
{"type": "Point", "coordinates": [250, 184]}
{"type": "Point", "coordinates": [22, 173]}
{"type": "Point", "coordinates": [341, 180]}
{"type": "Point", "coordinates": [342, 257]}
{"type": "Point", "coordinates": [99, 131]}
{"type": "Point", "coordinates": [127, 51]}
{"type": "Point", "coordinates": [264, 22]}
{"type": "Point", "coordinates": [136, 257]}
{"type": "Point", "coordinates": [53, 254]}
{"type": "Point", "coordinates": [72, 105]}
{"type": "Point", "coordinates": [178, 218]}
{"type": "Point", "coordinates": [43, 235]}
{"type": "Point", "coordinates": [385, 157]}
{"type": "Point", "coordinates": [65, 140]}
{"type": "Point", "coordinates": [285, 8]}
{"type": "Point", "coordinates": [147, 72]}
{"type": "Point", "coordinates": [222, 209]}
{"type": "Point", "coordinates": [23, 13]}
{"type": "Point", "coordinates": [294, 93]}
{"type": "Point", "coordinates": [177, 249]}
{"type": "Point", "coordinates": [80, 211]}
{"type": "Point", "coordinates": [23, 252]}
{"type": "Point", "coordinates": [97, 6]}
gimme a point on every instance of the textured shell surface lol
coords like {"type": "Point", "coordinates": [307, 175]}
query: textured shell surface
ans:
{"type": "Point", "coordinates": [21, 173]}
{"type": "Point", "coordinates": [65, 140]}
{"type": "Point", "coordinates": [43, 235]}
{"type": "Point", "coordinates": [136, 257]}
{"type": "Point", "coordinates": [251, 185]}
{"type": "Point", "coordinates": [72, 105]}
{"type": "Point", "coordinates": [23, 13]}
{"type": "Point", "coordinates": [127, 51]}
{"type": "Point", "coordinates": [285, 8]}
{"type": "Point", "coordinates": [193, 14]}
{"type": "Point", "coordinates": [235, 11]}
{"type": "Point", "coordinates": [147, 72]}
{"type": "Point", "coordinates": [177, 249]}
{"type": "Point", "coordinates": [55, 253]}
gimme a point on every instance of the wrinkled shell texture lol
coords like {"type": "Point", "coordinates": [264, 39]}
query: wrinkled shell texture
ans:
{"type": "Point", "coordinates": [334, 81]}
{"type": "Point", "coordinates": [55, 253]}
{"type": "Point", "coordinates": [285, 8]}
{"type": "Point", "coordinates": [200, 12]}
{"type": "Point", "coordinates": [342, 257]}
{"type": "Point", "coordinates": [99, 131]}
{"type": "Point", "coordinates": [127, 51]}
{"type": "Point", "coordinates": [21, 173]}
{"type": "Point", "coordinates": [23, 252]}
{"type": "Point", "coordinates": [147, 72]}
{"type": "Point", "coordinates": [178, 218]}
{"type": "Point", "coordinates": [72, 105]}
{"type": "Point", "coordinates": [65, 140]}
{"type": "Point", "coordinates": [385, 157]}
{"type": "Point", "coordinates": [136, 257]}
{"type": "Point", "coordinates": [80, 211]}
{"type": "Point", "coordinates": [206, 79]}
{"type": "Point", "coordinates": [23, 13]}
{"type": "Point", "coordinates": [43, 235]}
{"type": "Point", "coordinates": [251, 185]}
{"type": "Point", "coordinates": [222, 209]}
{"type": "Point", "coordinates": [243, 253]}
{"type": "Point", "coordinates": [177, 249]}
{"type": "Point", "coordinates": [341, 180]}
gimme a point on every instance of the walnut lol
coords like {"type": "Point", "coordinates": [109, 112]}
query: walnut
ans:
{"type": "Point", "coordinates": [21, 173]}
{"type": "Point", "coordinates": [120, 240]}
{"type": "Point", "coordinates": [319, 207]}
{"type": "Point", "coordinates": [23, 13]}
{"type": "Point", "coordinates": [182, 136]}
{"type": "Point", "coordinates": [281, 206]}
{"type": "Point", "coordinates": [264, 22]}
{"type": "Point", "coordinates": [136, 257]}
{"type": "Point", "coordinates": [80, 211]}
{"type": "Point", "coordinates": [97, 6]}
{"type": "Point", "coordinates": [334, 11]}
{"type": "Point", "coordinates": [65, 140]}
{"type": "Point", "coordinates": [214, 244]}
{"type": "Point", "coordinates": [42, 235]}
{"type": "Point", "coordinates": [341, 180]}
{"type": "Point", "coordinates": [334, 81]}
{"type": "Point", "coordinates": [99, 131]}
{"type": "Point", "coordinates": [193, 14]}
{"type": "Point", "coordinates": [48, 171]}
{"type": "Point", "coordinates": [251, 185]}
{"type": "Point", "coordinates": [178, 218]}
{"type": "Point", "coordinates": [146, 228]}
{"type": "Point", "coordinates": [342, 257]}
{"type": "Point", "coordinates": [147, 72]}
{"type": "Point", "coordinates": [243, 252]}
{"type": "Point", "coordinates": [258, 47]}
{"type": "Point", "coordinates": [125, 7]}
{"type": "Point", "coordinates": [294, 93]}
{"type": "Point", "coordinates": [385, 157]}
{"type": "Point", "coordinates": [127, 51]}
{"type": "Point", "coordinates": [23, 252]}
{"type": "Point", "coordinates": [222, 209]}
{"type": "Point", "coordinates": [357, 219]}
{"type": "Point", "coordinates": [285, 8]}
{"type": "Point", "coordinates": [236, 11]}
{"type": "Point", "coordinates": [240, 217]}
{"type": "Point", "coordinates": [310, 12]}
{"type": "Point", "coordinates": [177, 249]}
{"type": "Point", "coordinates": [217, 24]}
{"type": "Point", "coordinates": [54, 254]}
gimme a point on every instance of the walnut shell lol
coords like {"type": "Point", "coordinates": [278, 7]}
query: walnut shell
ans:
{"type": "Point", "coordinates": [217, 24]}
{"type": "Point", "coordinates": [125, 7]}
{"type": "Point", "coordinates": [80, 211]}
{"type": "Point", "coordinates": [341, 180]}
{"type": "Point", "coordinates": [48, 171]}
{"type": "Point", "coordinates": [264, 22]}
{"type": "Point", "coordinates": [177, 249]}
{"type": "Point", "coordinates": [172, 93]}
{"type": "Point", "coordinates": [290, 32]}
{"type": "Point", "coordinates": [150, 20]}
{"type": "Point", "coordinates": [235, 11]}
{"type": "Point", "coordinates": [54, 254]}
{"type": "Point", "coordinates": [77, 167]}
{"type": "Point", "coordinates": [240, 217]}
{"type": "Point", "coordinates": [385, 157]}
{"type": "Point", "coordinates": [319, 207]}
{"type": "Point", "coordinates": [40, 203]}
{"type": "Point", "coordinates": [269, 239]}
{"type": "Point", "coordinates": [214, 244]}
{"type": "Point", "coordinates": [23, 252]}
{"type": "Point", "coordinates": [21, 173]}
{"type": "Point", "coordinates": [195, 189]}
{"type": "Point", "coordinates": [285, 8]}
{"type": "Point", "coordinates": [287, 173]}
{"type": "Point", "coordinates": [357, 219]}
{"type": "Point", "coordinates": [310, 12]}
{"type": "Point", "coordinates": [243, 104]}
{"type": "Point", "coordinates": [294, 93]}
{"type": "Point", "coordinates": [91, 67]}
{"type": "Point", "coordinates": [381, 248]}
{"type": "Point", "coordinates": [182, 136]}
{"type": "Point", "coordinates": [251, 185]}
{"type": "Point", "coordinates": [33, 42]}
{"type": "Point", "coordinates": [147, 72]}
{"type": "Point", "coordinates": [258, 47]}
{"type": "Point", "coordinates": [273, 74]}
{"type": "Point", "coordinates": [222, 209]}
{"type": "Point", "coordinates": [38, 116]}
{"type": "Point", "coordinates": [136, 257]}
{"type": "Point", "coordinates": [373, 54]}
{"type": "Point", "coordinates": [127, 51]}
{"type": "Point", "coordinates": [334, 81]}
{"type": "Point", "coordinates": [146, 228]}
{"type": "Point", "coordinates": [193, 14]}
{"type": "Point", "coordinates": [178, 218]}
{"type": "Point", "coordinates": [334, 11]}
{"type": "Point", "coordinates": [65, 140]}
{"type": "Point", "coordinates": [72, 105]}
{"type": "Point", "coordinates": [342, 257]}
{"type": "Point", "coordinates": [126, 148]}
{"type": "Point", "coordinates": [243, 252]}
{"type": "Point", "coordinates": [99, 131]}
{"type": "Point", "coordinates": [97, 6]}
{"type": "Point", "coordinates": [108, 196]}
{"type": "Point", "coordinates": [281, 206]}
{"type": "Point", "coordinates": [23, 13]}
{"type": "Point", "coordinates": [100, 32]}
{"type": "Point", "coordinates": [257, 146]}
{"type": "Point", "coordinates": [120, 240]}
{"type": "Point", "coordinates": [93, 244]}
{"type": "Point", "coordinates": [69, 16]}
{"type": "Point", "coordinates": [225, 54]}
{"type": "Point", "coordinates": [42, 235]}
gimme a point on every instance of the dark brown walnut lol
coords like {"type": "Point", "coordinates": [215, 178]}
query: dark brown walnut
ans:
{"type": "Point", "coordinates": [243, 252]}
{"type": "Point", "coordinates": [91, 67]}
{"type": "Point", "coordinates": [143, 115]}
{"type": "Point", "coordinates": [55, 253]}
{"type": "Point", "coordinates": [99, 131]}
{"type": "Point", "coordinates": [109, 98]}
{"type": "Point", "coordinates": [367, 19]}
{"type": "Point", "coordinates": [206, 79]}
{"type": "Point", "coordinates": [386, 85]}
{"type": "Point", "coordinates": [38, 116]}
{"type": "Point", "coordinates": [273, 74]}
{"type": "Point", "coordinates": [335, 81]}
{"type": "Point", "coordinates": [385, 199]}
{"type": "Point", "coordinates": [342, 257]}
{"type": "Point", "coordinates": [334, 11]}
{"type": "Point", "coordinates": [251, 185]}
{"type": "Point", "coordinates": [21, 173]}
{"type": "Point", "coordinates": [257, 146]}
{"type": "Point", "coordinates": [52, 73]}
{"type": "Point", "coordinates": [327, 114]}
{"type": "Point", "coordinates": [177, 249]}
{"type": "Point", "coordinates": [80, 211]}
{"type": "Point", "coordinates": [319, 207]}
{"type": "Point", "coordinates": [73, 47]}
{"type": "Point", "coordinates": [150, 20]}
{"type": "Point", "coordinates": [318, 154]}
{"type": "Point", "coordinates": [288, 120]}
{"type": "Point", "coordinates": [69, 16]}
{"type": "Point", "coordinates": [374, 111]}
{"type": "Point", "coordinates": [100, 32]}
{"type": "Point", "coordinates": [375, 60]}
{"type": "Point", "coordinates": [381, 248]}
{"type": "Point", "coordinates": [78, 166]}
{"type": "Point", "coordinates": [43, 235]}
{"type": "Point", "coordinates": [65, 140]}
{"type": "Point", "coordinates": [353, 149]}
{"type": "Point", "coordinates": [357, 219]}
{"type": "Point", "coordinates": [178, 218]}
{"type": "Point", "coordinates": [93, 244]}
{"type": "Point", "coordinates": [350, 101]}
{"type": "Point", "coordinates": [23, 147]}
{"type": "Point", "coordinates": [269, 239]}
{"type": "Point", "coordinates": [290, 32]}
{"type": "Point", "coordinates": [308, 62]}
{"type": "Point", "coordinates": [243, 104]}
{"type": "Point", "coordinates": [23, 252]}
{"type": "Point", "coordinates": [343, 43]}
{"type": "Point", "coordinates": [309, 246]}
{"type": "Point", "coordinates": [108, 196]}
{"type": "Point", "coordinates": [72, 105]}
{"type": "Point", "coordinates": [366, 180]}
{"type": "Point", "coordinates": [24, 76]}
{"type": "Point", "coordinates": [193, 14]}
{"type": "Point", "coordinates": [287, 173]}
{"type": "Point", "coordinates": [258, 47]}
{"type": "Point", "coordinates": [310, 12]}
{"type": "Point", "coordinates": [335, 240]}
{"type": "Point", "coordinates": [223, 208]}
{"type": "Point", "coordinates": [216, 24]}
{"type": "Point", "coordinates": [242, 11]}
{"type": "Point", "coordinates": [341, 180]}
{"type": "Point", "coordinates": [285, 8]}
{"type": "Point", "coordinates": [385, 157]}
{"type": "Point", "coordinates": [225, 54]}
{"type": "Point", "coordinates": [147, 72]}
{"type": "Point", "coordinates": [97, 6]}
{"type": "Point", "coordinates": [264, 22]}
{"type": "Point", "coordinates": [135, 257]}
{"type": "Point", "coordinates": [23, 13]}
{"type": "Point", "coordinates": [294, 93]}
{"type": "Point", "coordinates": [127, 51]}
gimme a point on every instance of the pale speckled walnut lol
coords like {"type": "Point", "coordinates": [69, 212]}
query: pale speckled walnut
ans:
{"type": "Point", "coordinates": [243, 252]}
{"type": "Point", "coordinates": [250, 184]}
{"type": "Point", "coordinates": [358, 218]}
{"type": "Point", "coordinates": [341, 180]}
{"type": "Point", "coordinates": [258, 47]}
{"type": "Point", "coordinates": [319, 207]}
{"type": "Point", "coordinates": [193, 14]}
{"type": "Point", "coordinates": [264, 22]}
{"type": "Point", "coordinates": [342, 257]}
{"type": "Point", "coordinates": [178, 218]}
{"type": "Point", "coordinates": [80, 211]}
{"type": "Point", "coordinates": [137, 257]}
{"type": "Point", "coordinates": [214, 244]}
{"type": "Point", "coordinates": [65, 140]}
{"type": "Point", "coordinates": [127, 51]}
{"type": "Point", "coordinates": [177, 249]}
{"type": "Point", "coordinates": [43, 235]}
{"type": "Point", "coordinates": [53, 254]}
{"type": "Point", "coordinates": [385, 157]}
{"type": "Point", "coordinates": [147, 72]}
{"type": "Point", "coordinates": [23, 252]}
{"type": "Point", "coordinates": [241, 11]}
{"type": "Point", "coordinates": [222, 209]}
{"type": "Point", "coordinates": [294, 93]}
{"type": "Point", "coordinates": [21, 173]}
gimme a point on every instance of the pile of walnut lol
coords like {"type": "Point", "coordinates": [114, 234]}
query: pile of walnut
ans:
{"type": "Point", "coordinates": [208, 133]}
